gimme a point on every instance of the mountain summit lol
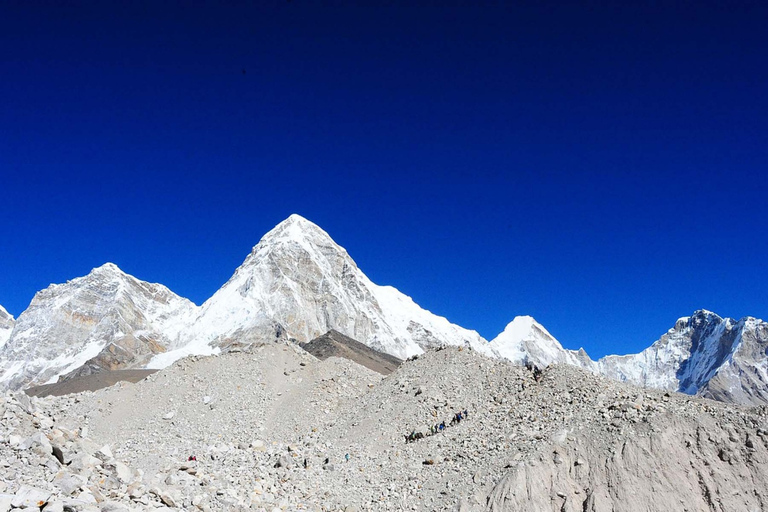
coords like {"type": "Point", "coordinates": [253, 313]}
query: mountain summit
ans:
{"type": "Point", "coordinates": [297, 284]}
{"type": "Point", "coordinates": [524, 340]}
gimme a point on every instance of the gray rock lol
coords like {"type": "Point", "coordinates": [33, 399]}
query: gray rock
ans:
{"type": "Point", "coordinates": [68, 483]}
{"type": "Point", "coordinates": [28, 496]}
{"type": "Point", "coordinates": [54, 506]}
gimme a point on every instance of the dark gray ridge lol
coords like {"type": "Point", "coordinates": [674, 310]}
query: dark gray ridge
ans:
{"type": "Point", "coordinates": [335, 344]}
{"type": "Point", "coordinates": [92, 382]}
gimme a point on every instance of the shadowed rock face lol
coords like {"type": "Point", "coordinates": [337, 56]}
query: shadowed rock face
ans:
{"type": "Point", "coordinates": [744, 377]}
{"type": "Point", "coordinates": [105, 320]}
{"type": "Point", "coordinates": [335, 344]}
{"type": "Point", "coordinates": [705, 355]}
{"type": "Point", "coordinates": [93, 382]}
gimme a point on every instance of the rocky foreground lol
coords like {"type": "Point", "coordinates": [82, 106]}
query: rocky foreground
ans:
{"type": "Point", "coordinates": [274, 428]}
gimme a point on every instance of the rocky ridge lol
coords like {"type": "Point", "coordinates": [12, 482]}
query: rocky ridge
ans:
{"type": "Point", "coordinates": [705, 355]}
{"type": "Point", "coordinates": [335, 344]}
{"type": "Point", "coordinates": [272, 428]}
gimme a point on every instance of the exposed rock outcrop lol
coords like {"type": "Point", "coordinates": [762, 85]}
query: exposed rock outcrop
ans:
{"type": "Point", "coordinates": [335, 344]}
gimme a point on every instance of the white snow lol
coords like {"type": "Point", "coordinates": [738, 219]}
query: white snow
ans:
{"type": "Point", "coordinates": [6, 326]}
{"type": "Point", "coordinates": [298, 281]}
{"type": "Point", "coordinates": [525, 340]}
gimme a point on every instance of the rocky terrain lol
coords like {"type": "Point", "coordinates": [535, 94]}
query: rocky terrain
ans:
{"type": "Point", "coordinates": [273, 428]}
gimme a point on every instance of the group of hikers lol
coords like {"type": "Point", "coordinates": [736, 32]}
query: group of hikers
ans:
{"type": "Point", "coordinates": [437, 427]}
{"type": "Point", "coordinates": [537, 372]}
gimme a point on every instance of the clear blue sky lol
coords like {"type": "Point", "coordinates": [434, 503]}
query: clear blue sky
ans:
{"type": "Point", "coordinates": [600, 167]}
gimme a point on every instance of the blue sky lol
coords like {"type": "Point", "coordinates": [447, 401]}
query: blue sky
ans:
{"type": "Point", "coordinates": [600, 167]}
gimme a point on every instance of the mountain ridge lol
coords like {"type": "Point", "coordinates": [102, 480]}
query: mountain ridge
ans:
{"type": "Point", "coordinates": [296, 284]}
{"type": "Point", "coordinates": [106, 319]}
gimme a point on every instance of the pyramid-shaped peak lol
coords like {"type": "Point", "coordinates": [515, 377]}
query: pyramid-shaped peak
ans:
{"type": "Point", "coordinates": [296, 222]}
{"type": "Point", "coordinates": [107, 268]}
{"type": "Point", "coordinates": [520, 328]}
{"type": "Point", "coordinates": [296, 228]}
{"type": "Point", "coordinates": [296, 218]}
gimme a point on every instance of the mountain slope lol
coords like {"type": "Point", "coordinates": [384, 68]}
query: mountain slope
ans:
{"type": "Point", "coordinates": [6, 326]}
{"type": "Point", "coordinates": [297, 283]}
{"type": "Point", "coordinates": [107, 319]}
{"type": "Point", "coordinates": [703, 355]}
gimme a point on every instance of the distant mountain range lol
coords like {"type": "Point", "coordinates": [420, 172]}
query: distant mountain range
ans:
{"type": "Point", "coordinates": [298, 284]}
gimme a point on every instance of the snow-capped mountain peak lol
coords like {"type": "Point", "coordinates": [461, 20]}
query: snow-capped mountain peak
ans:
{"type": "Point", "coordinates": [296, 229]}
{"type": "Point", "coordinates": [702, 354]}
{"type": "Point", "coordinates": [108, 267]}
{"type": "Point", "coordinates": [297, 283]}
{"type": "Point", "coordinates": [106, 319]}
{"type": "Point", "coordinates": [525, 340]}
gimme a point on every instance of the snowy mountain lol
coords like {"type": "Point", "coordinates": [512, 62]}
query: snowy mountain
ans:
{"type": "Point", "coordinates": [703, 355]}
{"type": "Point", "coordinates": [105, 320]}
{"type": "Point", "coordinates": [297, 283]}
{"type": "Point", "coordinates": [525, 340]}
{"type": "Point", "coordinates": [6, 326]}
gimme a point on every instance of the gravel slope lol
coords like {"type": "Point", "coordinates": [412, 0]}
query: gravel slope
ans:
{"type": "Point", "coordinates": [271, 429]}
